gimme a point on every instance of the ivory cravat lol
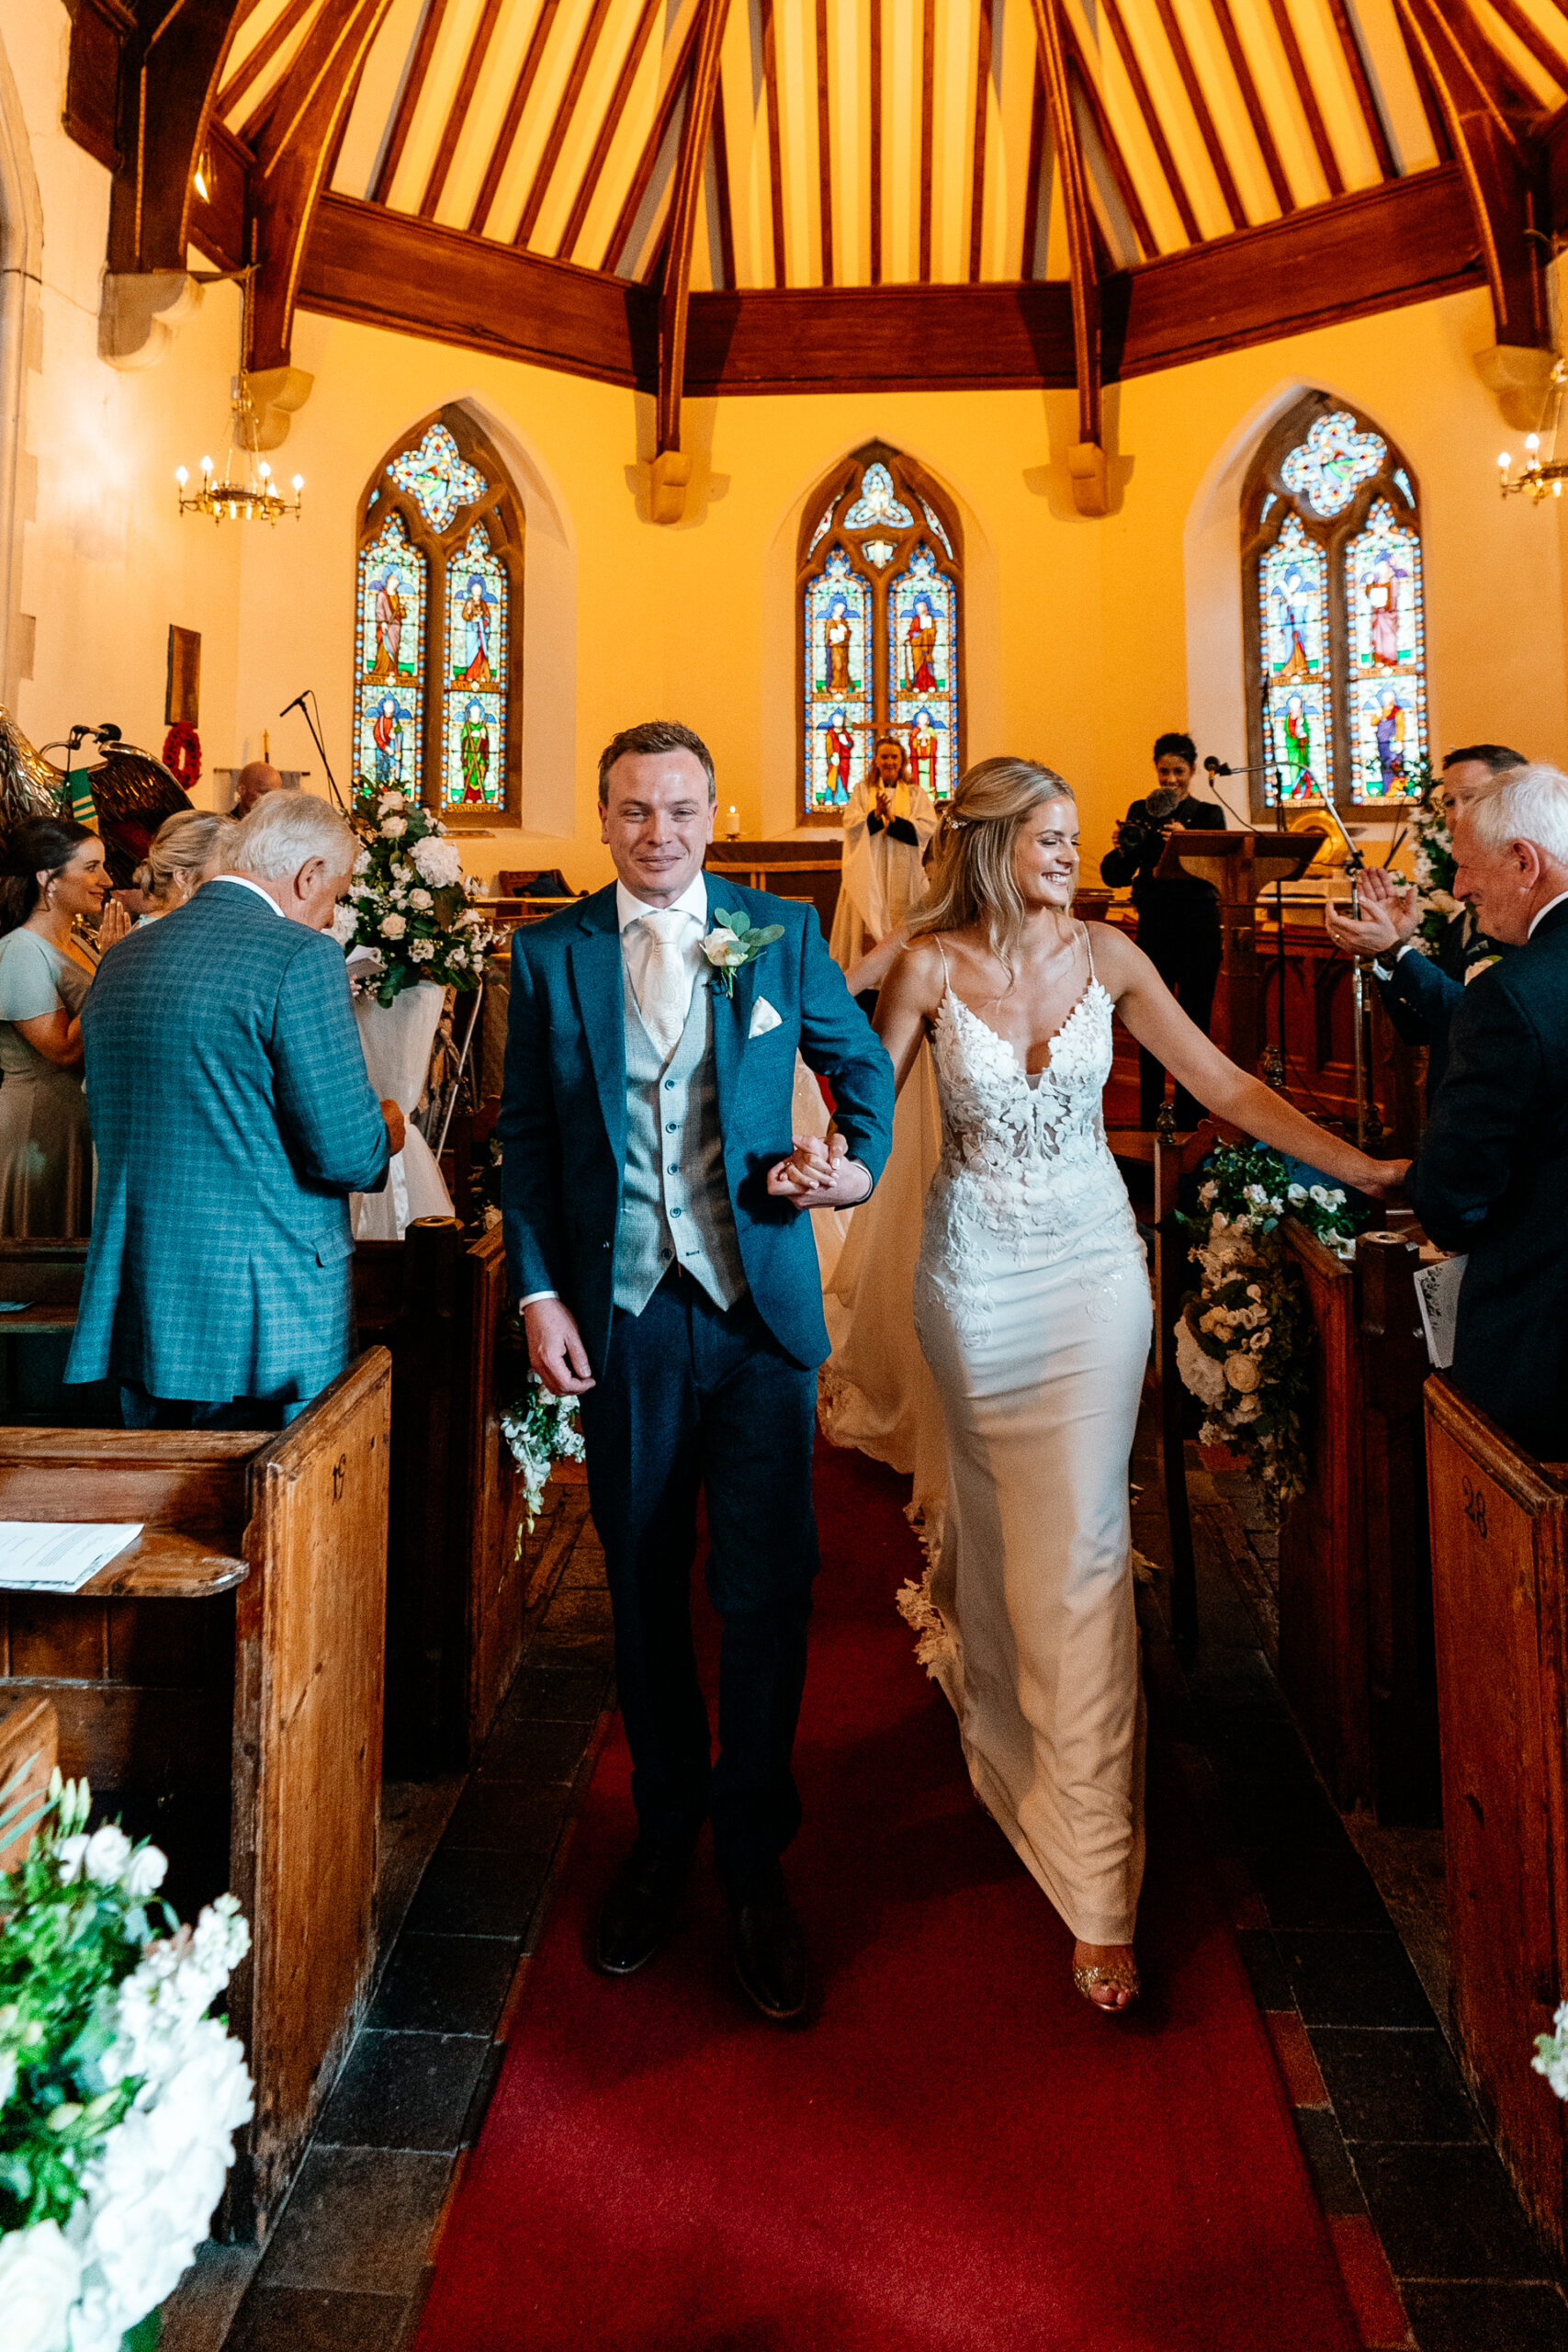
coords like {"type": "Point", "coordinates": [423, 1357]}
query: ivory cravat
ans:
{"type": "Point", "coordinates": [666, 994]}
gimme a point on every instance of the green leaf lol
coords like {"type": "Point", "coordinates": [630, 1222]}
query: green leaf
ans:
{"type": "Point", "coordinates": [766, 936]}
{"type": "Point", "coordinates": [143, 2336]}
{"type": "Point", "coordinates": [734, 921]}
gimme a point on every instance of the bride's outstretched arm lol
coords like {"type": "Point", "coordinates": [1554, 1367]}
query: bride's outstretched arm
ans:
{"type": "Point", "coordinates": [1157, 1022]}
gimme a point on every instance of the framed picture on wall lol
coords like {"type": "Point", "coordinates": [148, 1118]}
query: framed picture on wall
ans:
{"type": "Point", "coordinates": [182, 698]}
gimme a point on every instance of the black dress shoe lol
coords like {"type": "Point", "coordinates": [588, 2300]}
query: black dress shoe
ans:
{"type": "Point", "coordinates": [769, 1950]}
{"type": "Point", "coordinates": [636, 1912]}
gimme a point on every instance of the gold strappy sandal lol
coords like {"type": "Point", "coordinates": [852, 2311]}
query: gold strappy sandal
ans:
{"type": "Point", "coordinates": [1123, 1977]}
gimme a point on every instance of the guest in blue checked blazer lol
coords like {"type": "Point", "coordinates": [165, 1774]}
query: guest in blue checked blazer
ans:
{"type": "Point", "coordinates": [658, 1245]}
{"type": "Point", "coordinates": [231, 1117]}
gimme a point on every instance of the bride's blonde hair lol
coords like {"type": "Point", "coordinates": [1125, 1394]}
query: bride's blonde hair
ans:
{"type": "Point", "coordinates": [972, 880]}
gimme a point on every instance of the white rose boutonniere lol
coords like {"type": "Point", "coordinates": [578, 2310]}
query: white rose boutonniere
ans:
{"type": "Point", "coordinates": [734, 944]}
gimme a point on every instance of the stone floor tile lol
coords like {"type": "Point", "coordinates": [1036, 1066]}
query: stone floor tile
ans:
{"type": "Point", "coordinates": [1446, 2212]}
{"type": "Point", "coordinates": [1317, 1886]}
{"type": "Point", "coordinates": [476, 1894]}
{"type": "Point", "coordinates": [540, 1753]}
{"type": "Point", "coordinates": [1352, 1979]}
{"type": "Point", "coordinates": [404, 2090]}
{"type": "Point", "coordinates": [1333, 2175]}
{"type": "Point", "coordinates": [1394, 2086]}
{"type": "Point", "coordinates": [446, 1984]}
{"type": "Point", "coordinates": [574, 1693]}
{"type": "Point", "coordinates": [1283, 1816]}
{"type": "Point", "coordinates": [357, 2221]}
{"type": "Point", "coordinates": [303, 2319]}
{"type": "Point", "coordinates": [197, 2317]}
{"type": "Point", "coordinates": [1473, 2316]}
{"type": "Point", "coordinates": [506, 1817]}
{"type": "Point", "coordinates": [1260, 1957]}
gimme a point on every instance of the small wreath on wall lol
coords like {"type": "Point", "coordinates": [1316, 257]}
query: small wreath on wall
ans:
{"type": "Point", "coordinates": [182, 753]}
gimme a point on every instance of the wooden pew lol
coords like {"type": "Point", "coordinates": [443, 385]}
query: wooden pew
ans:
{"type": "Point", "coordinates": [1500, 1566]}
{"type": "Point", "coordinates": [30, 1741]}
{"type": "Point", "coordinates": [1354, 1579]}
{"type": "Point", "coordinates": [455, 1572]}
{"type": "Point", "coordinates": [235, 1650]}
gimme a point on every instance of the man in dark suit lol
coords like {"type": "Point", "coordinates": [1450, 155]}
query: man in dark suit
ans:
{"type": "Point", "coordinates": [231, 1119]}
{"type": "Point", "coordinates": [1178, 922]}
{"type": "Point", "coordinates": [658, 1245]}
{"type": "Point", "coordinates": [1421, 993]}
{"type": "Point", "coordinates": [1490, 1178]}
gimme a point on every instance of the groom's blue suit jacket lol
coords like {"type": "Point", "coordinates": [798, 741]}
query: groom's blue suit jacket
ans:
{"type": "Point", "coordinates": [563, 1118]}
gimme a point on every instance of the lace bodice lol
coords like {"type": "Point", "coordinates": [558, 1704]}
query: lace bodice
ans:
{"type": "Point", "coordinates": [1025, 1171]}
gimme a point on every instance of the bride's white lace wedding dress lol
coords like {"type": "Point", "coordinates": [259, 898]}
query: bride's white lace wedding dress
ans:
{"type": "Point", "coordinates": [1032, 1302]}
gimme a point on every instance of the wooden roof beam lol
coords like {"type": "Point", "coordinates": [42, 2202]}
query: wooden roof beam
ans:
{"type": "Point", "coordinates": [290, 170]}
{"type": "Point", "coordinates": [168, 87]}
{"type": "Point", "coordinates": [1501, 162]}
{"type": "Point", "coordinates": [1086, 463]}
{"type": "Point", "coordinates": [672, 471]}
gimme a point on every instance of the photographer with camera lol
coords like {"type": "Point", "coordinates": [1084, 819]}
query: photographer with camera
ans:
{"type": "Point", "coordinates": [1178, 923]}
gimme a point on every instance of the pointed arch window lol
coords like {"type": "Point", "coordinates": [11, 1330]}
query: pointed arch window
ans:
{"type": "Point", "coordinates": [438, 689]}
{"type": "Point", "coordinates": [1331, 532]}
{"type": "Point", "coordinates": [880, 624]}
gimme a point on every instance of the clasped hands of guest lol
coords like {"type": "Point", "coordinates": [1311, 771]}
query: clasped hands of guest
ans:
{"type": "Point", "coordinates": [1389, 916]}
{"type": "Point", "coordinates": [819, 1174]}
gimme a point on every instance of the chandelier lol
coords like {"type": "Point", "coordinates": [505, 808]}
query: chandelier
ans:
{"type": "Point", "coordinates": [248, 490]}
{"type": "Point", "coordinates": [1538, 478]}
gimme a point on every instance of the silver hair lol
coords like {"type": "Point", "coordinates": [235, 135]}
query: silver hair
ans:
{"type": "Point", "coordinates": [1524, 805]}
{"type": "Point", "coordinates": [285, 831]}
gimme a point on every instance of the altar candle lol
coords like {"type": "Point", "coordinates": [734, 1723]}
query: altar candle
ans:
{"type": "Point", "coordinates": [733, 828]}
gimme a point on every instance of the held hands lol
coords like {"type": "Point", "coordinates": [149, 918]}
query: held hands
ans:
{"type": "Point", "coordinates": [1384, 1179]}
{"type": "Point", "coordinates": [820, 1175]}
{"type": "Point", "coordinates": [394, 1119]}
{"type": "Point", "coordinates": [555, 1347]}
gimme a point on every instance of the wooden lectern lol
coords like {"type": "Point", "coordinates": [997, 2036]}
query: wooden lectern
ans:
{"type": "Point", "coordinates": [1239, 865]}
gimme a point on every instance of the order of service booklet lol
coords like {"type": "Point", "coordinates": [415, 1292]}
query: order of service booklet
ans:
{"type": "Point", "coordinates": [45, 1556]}
{"type": "Point", "coordinates": [1437, 1294]}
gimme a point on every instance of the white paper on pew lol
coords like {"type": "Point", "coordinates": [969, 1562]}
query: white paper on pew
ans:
{"type": "Point", "coordinates": [43, 1556]}
{"type": "Point", "coordinates": [1437, 1294]}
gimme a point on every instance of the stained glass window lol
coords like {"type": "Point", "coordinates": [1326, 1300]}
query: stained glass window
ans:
{"type": "Point", "coordinates": [389, 684]}
{"type": "Point", "coordinates": [436, 478]}
{"type": "Point", "coordinates": [1388, 671]}
{"type": "Point", "coordinates": [881, 651]}
{"type": "Point", "coordinates": [437, 694]}
{"type": "Point", "coordinates": [1334, 556]}
{"type": "Point", "coordinates": [1292, 590]}
{"type": "Point", "coordinates": [1331, 464]}
{"type": "Point", "coordinates": [923, 619]}
{"type": "Point", "coordinates": [478, 597]}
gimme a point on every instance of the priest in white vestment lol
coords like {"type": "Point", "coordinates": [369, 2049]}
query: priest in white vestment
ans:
{"type": "Point", "coordinates": [887, 827]}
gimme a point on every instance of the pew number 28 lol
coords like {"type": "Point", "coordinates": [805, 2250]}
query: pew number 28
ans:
{"type": "Point", "coordinates": [1475, 1505]}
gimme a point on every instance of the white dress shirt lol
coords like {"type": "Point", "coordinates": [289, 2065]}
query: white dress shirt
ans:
{"type": "Point", "coordinates": [1561, 895]}
{"type": "Point", "coordinates": [636, 945]}
{"type": "Point", "coordinates": [636, 942]}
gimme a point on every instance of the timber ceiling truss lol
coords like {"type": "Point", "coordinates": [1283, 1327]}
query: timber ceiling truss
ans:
{"type": "Point", "coordinates": [732, 195]}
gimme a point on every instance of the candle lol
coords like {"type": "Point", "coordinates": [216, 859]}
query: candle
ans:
{"type": "Point", "coordinates": [733, 828]}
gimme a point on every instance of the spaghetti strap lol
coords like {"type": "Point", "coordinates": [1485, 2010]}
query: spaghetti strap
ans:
{"type": "Point", "coordinates": [942, 951]}
{"type": "Point", "coordinates": [1089, 950]}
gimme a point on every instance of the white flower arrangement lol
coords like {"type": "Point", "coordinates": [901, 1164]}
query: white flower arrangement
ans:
{"type": "Point", "coordinates": [408, 901]}
{"type": "Point", "coordinates": [541, 1430]}
{"type": "Point", "coordinates": [1551, 2052]}
{"type": "Point", "coordinates": [118, 2095]}
{"type": "Point", "coordinates": [1241, 1340]}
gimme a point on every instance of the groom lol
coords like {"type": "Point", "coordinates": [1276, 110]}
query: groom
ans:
{"type": "Point", "coordinates": [668, 1276]}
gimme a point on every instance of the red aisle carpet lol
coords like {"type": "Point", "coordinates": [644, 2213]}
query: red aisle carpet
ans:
{"type": "Point", "coordinates": [955, 2155]}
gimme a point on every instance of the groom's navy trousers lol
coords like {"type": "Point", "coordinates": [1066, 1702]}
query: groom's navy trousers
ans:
{"type": "Point", "coordinates": [693, 1395]}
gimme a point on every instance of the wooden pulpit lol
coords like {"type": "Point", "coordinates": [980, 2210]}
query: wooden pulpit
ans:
{"type": "Point", "coordinates": [1239, 865]}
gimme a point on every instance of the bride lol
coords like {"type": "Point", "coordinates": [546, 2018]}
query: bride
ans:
{"type": "Point", "coordinates": [1031, 1304]}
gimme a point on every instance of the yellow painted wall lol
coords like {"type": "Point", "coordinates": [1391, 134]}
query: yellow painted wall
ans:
{"type": "Point", "coordinates": [1085, 637]}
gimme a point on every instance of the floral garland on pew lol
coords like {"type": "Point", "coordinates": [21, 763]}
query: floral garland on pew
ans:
{"type": "Point", "coordinates": [119, 2094]}
{"type": "Point", "coordinates": [1242, 1341]}
{"type": "Point", "coordinates": [408, 901]}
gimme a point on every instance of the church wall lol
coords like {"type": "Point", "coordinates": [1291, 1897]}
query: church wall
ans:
{"type": "Point", "coordinates": [1085, 636]}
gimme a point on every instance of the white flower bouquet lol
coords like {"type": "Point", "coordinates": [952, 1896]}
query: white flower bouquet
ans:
{"type": "Point", "coordinates": [1243, 1340]}
{"type": "Point", "coordinates": [119, 2094]}
{"type": "Point", "coordinates": [1434, 868]}
{"type": "Point", "coordinates": [409, 900]}
{"type": "Point", "coordinates": [541, 1430]}
{"type": "Point", "coordinates": [1551, 2052]}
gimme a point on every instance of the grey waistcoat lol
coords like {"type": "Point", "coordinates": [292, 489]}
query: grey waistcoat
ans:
{"type": "Point", "coordinates": [674, 1200]}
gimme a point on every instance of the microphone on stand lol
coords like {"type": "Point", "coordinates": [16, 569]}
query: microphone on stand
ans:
{"type": "Point", "coordinates": [301, 703]}
{"type": "Point", "coordinates": [1214, 769]}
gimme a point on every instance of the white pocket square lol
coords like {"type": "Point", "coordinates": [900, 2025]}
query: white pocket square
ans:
{"type": "Point", "coordinates": [763, 1018]}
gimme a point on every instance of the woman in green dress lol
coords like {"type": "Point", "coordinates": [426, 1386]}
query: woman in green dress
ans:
{"type": "Point", "coordinates": [54, 873]}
